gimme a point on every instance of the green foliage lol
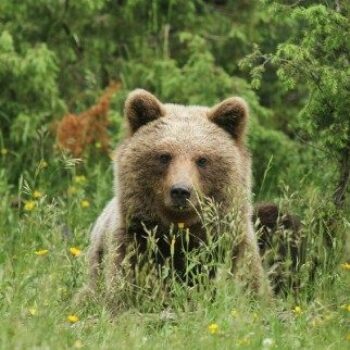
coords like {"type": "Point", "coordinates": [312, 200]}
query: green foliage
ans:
{"type": "Point", "coordinates": [29, 88]}
{"type": "Point", "coordinates": [318, 56]}
{"type": "Point", "coordinates": [170, 50]}
{"type": "Point", "coordinates": [315, 59]}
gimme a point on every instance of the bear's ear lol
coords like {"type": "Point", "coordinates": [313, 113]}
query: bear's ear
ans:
{"type": "Point", "coordinates": [232, 116]}
{"type": "Point", "coordinates": [141, 107]}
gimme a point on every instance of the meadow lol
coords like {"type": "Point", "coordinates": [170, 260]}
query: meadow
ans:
{"type": "Point", "coordinates": [65, 70]}
{"type": "Point", "coordinates": [43, 266]}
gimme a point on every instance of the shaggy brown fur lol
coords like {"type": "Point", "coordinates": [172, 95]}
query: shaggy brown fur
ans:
{"type": "Point", "coordinates": [280, 239]}
{"type": "Point", "coordinates": [172, 155]}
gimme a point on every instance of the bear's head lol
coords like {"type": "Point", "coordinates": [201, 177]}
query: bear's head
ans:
{"type": "Point", "coordinates": [175, 154]}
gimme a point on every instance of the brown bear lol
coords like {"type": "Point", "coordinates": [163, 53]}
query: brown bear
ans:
{"type": "Point", "coordinates": [282, 246]}
{"type": "Point", "coordinates": [173, 156]}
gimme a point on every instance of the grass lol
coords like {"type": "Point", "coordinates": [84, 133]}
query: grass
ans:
{"type": "Point", "coordinates": [37, 287]}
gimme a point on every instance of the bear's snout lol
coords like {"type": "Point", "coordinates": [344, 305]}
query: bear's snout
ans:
{"type": "Point", "coordinates": [180, 194]}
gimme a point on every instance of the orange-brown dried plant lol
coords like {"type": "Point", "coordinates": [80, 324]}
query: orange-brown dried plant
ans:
{"type": "Point", "coordinates": [75, 132]}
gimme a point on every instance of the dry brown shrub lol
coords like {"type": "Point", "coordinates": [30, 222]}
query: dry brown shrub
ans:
{"type": "Point", "coordinates": [75, 132]}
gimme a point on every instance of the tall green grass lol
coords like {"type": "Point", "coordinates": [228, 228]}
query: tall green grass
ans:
{"type": "Point", "coordinates": [37, 291]}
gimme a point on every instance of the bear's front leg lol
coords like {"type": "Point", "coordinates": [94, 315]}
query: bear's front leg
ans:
{"type": "Point", "coordinates": [115, 257]}
{"type": "Point", "coordinates": [247, 265]}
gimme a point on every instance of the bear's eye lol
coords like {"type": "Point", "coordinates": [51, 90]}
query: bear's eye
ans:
{"type": "Point", "coordinates": [165, 158]}
{"type": "Point", "coordinates": [202, 162]}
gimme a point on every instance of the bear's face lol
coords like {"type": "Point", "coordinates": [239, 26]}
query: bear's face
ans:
{"type": "Point", "coordinates": [177, 154]}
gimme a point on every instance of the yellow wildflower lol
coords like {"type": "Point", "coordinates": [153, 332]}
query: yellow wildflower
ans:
{"type": "Point", "coordinates": [213, 328]}
{"type": "Point", "coordinates": [41, 252]}
{"type": "Point", "coordinates": [73, 319]}
{"type": "Point", "coordinates": [42, 164]}
{"type": "Point", "coordinates": [78, 344]}
{"type": "Point", "coordinates": [244, 341]}
{"type": "Point", "coordinates": [37, 194]}
{"type": "Point", "coordinates": [85, 203]}
{"type": "Point", "coordinates": [346, 307]}
{"type": "Point", "coordinates": [345, 266]}
{"type": "Point", "coordinates": [297, 310]}
{"type": "Point", "coordinates": [72, 190]}
{"type": "Point", "coordinates": [180, 225]}
{"type": "Point", "coordinates": [80, 179]}
{"type": "Point", "coordinates": [4, 151]}
{"type": "Point", "coordinates": [29, 205]}
{"type": "Point", "coordinates": [33, 311]}
{"type": "Point", "coordinates": [75, 251]}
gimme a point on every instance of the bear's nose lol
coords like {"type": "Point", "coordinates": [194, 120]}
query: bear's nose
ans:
{"type": "Point", "coordinates": [180, 194]}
